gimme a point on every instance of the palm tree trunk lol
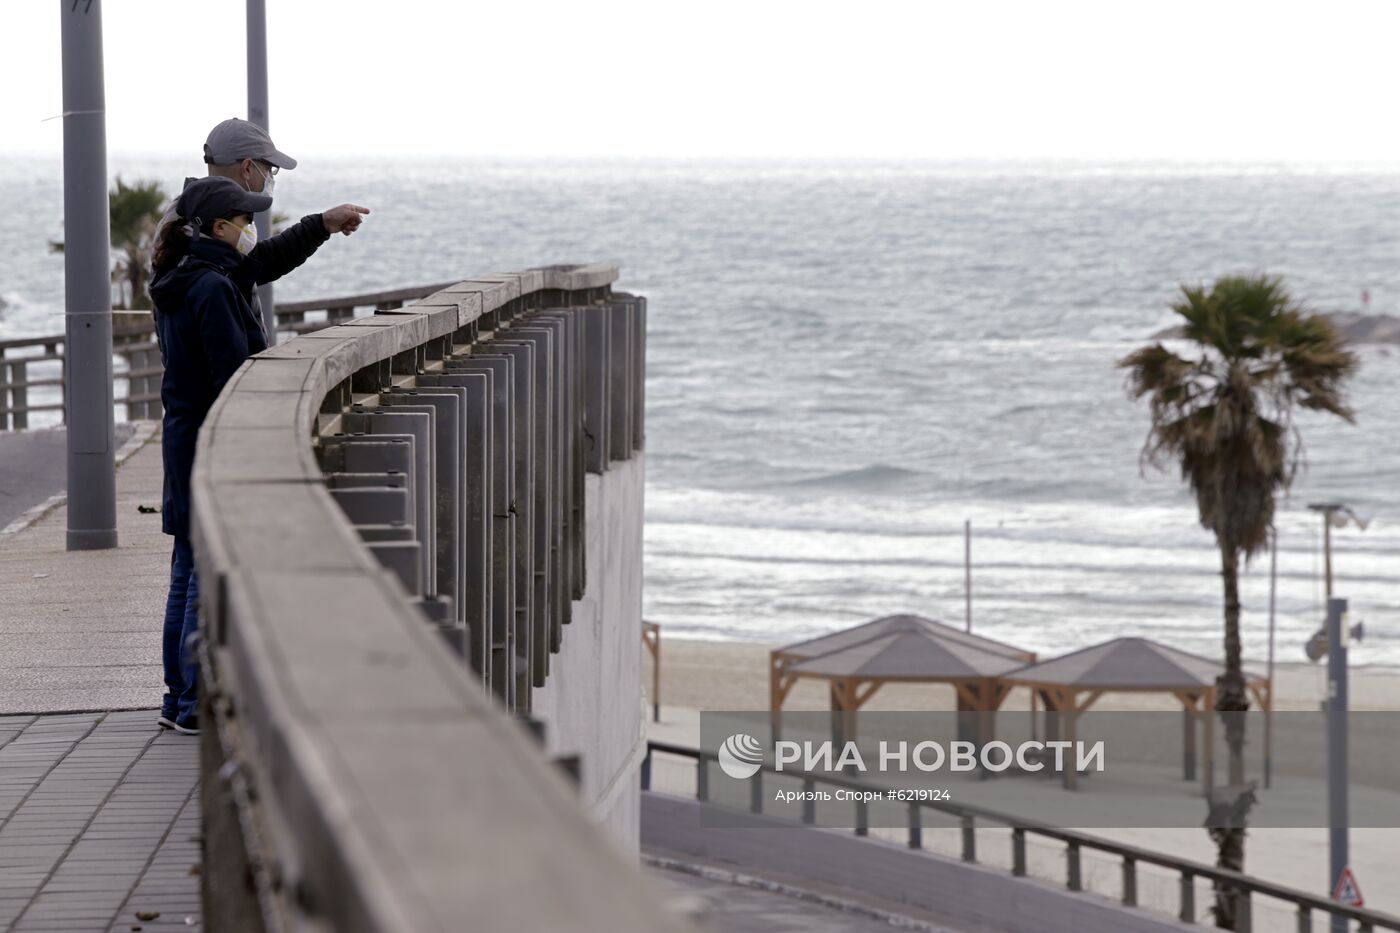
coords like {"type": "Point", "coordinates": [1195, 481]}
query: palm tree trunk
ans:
{"type": "Point", "coordinates": [1231, 697]}
{"type": "Point", "coordinates": [1231, 701]}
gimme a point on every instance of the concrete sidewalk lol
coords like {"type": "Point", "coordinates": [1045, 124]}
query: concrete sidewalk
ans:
{"type": "Point", "coordinates": [81, 630]}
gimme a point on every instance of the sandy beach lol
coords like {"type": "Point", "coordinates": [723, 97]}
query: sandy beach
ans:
{"type": "Point", "coordinates": [719, 675]}
{"type": "Point", "coordinates": [727, 675]}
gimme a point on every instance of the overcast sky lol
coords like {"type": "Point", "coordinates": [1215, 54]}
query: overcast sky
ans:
{"type": "Point", "coordinates": [765, 78]}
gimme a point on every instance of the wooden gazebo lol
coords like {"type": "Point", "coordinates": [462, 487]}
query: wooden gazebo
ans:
{"type": "Point", "coordinates": [1070, 684]}
{"type": "Point", "coordinates": [856, 662]}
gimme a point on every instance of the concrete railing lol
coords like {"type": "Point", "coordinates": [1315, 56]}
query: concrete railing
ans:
{"type": "Point", "coordinates": [389, 524]}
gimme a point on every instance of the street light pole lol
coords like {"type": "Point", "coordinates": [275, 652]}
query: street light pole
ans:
{"type": "Point", "coordinates": [1327, 546]}
{"type": "Point", "coordinates": [257, 113]}
{"type": "Point", "coordinates": [87, 282]}
{"type": "Point", "coordinates": [1337, 816]}
{"type": "Point", "coordinates": [1273, 603]}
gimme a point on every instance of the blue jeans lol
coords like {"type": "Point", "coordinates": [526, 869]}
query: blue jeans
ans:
{"type": "Point", "coordinates": [181, 702]}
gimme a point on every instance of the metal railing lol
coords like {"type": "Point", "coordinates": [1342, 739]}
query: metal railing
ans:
{"type": "Point", "coordinates": [1076, 843]}
{"type": "Point", "coordinates": [30, 363]}
{"type": "Point", "coordinates": [366, 499]}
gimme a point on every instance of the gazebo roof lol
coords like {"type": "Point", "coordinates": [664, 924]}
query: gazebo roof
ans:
{"type": "Point", "coordinates": [909, 624]}
{"type": "Point", "coordinates": [910, 653]}
{"type": "Point", "coordinates": [1125, 664]}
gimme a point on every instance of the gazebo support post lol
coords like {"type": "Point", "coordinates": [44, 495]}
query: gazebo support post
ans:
{"type": "Point", "coordinates": [1264, 694]}
{"type": "Point", "coordinates": [1208, 714]}
{"type": "Point", "coordinates": [850, 703]}
{"type": "Point", "coordinates": [1189, 716]}
{"type": "Point", "coordinates": [1052, 722]}
{"type": "Point", "coordinates": [838, 717]}
{"type": "Point", "coordinates": [775, 694]}
{"type": "Point", "coordinates": [967, 726]}
{"type": "Point", "coordinates": [1069, 709]}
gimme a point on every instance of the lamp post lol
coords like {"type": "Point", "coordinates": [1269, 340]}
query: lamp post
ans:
{"type": "Point", "coordinates": [1336, 635]}
{"type": "Point", "coordinates": [1334, 514]}
{"type": "Point", "coordinates": [1269, 712]}
{"type": "Point", "coordinates": [87, 350]}
{"type": "Point", "coordinates": [1337, 818]}
{"type": "Point", "coordinates": [257, 113]}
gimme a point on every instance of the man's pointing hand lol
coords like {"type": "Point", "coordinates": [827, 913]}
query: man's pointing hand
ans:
{"type": "Point", "coordinates": [344, 218]}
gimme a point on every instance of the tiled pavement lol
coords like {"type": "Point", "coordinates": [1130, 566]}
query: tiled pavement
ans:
{"type": "Point", "coordinates": [99, 824]}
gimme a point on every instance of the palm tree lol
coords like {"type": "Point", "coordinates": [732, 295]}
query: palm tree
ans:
{"type": "Point", "coordinates": [134, 211]}
{"type": "Point", "coordinates": [1224, 414]}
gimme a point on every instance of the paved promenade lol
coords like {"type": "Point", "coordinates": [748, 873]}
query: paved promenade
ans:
{"type": "Point", "coordinates": [99, 814]}
{"type": "Point", "coordinates": [99, 824]}
{"type": "Point", "coordinates": [81, 630]}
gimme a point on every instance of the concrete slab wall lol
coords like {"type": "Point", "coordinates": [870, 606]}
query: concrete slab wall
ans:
{"type": "Point", "coordinates": [592, 702]}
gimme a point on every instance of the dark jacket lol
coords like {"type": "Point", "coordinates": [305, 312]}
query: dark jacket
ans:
{"type": "Point", "coordinates": [206, 327]}
{"type": "Point", "coordinates": [271, 258]}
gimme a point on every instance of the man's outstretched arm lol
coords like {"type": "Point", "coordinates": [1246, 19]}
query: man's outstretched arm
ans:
{"type": "Point", "coordinates": [277, 255]}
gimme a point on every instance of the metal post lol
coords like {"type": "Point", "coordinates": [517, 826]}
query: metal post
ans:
{"type": "Point", "coordinates": [1337, 746]}
{"type": "Point", "coordinates": [1188, 898]}
{"type": "Point", "coordinates": [1268, 713]}
{"type": "Point", "coordinates": [257, 113]}
{"type": "Point", "coordinates": [92, 477]}
{"type": "Point", "coordinates": [1327, 546]}
{"type": "Point", "coordinates": [967, 569]}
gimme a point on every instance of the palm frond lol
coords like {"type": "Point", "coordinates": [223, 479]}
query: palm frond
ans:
{"type": "Point", "coordinates": [1225, 418]}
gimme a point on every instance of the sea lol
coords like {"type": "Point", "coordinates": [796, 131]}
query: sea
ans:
{"type": "Point", "coordinates": [850, 364]}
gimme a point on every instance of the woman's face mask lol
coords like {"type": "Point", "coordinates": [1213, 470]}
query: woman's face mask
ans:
{"type": "Point", "coordinates": [247, 237]}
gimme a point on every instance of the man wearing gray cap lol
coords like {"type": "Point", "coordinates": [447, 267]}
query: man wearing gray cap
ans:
{"type": "Point", "coordinates": [243, 151]}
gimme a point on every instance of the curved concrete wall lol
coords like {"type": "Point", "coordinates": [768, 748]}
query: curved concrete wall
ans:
{"type": "Point", "coordinates": [358, 775]}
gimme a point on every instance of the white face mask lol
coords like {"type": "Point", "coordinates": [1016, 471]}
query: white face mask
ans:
{"type": "Point", "coordinates": [268, 180]}
{"type": "Point", "coordinates": [247, 239]}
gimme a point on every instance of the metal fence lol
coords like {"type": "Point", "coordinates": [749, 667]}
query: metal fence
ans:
{"type": "Point", "coordinates": [36, 364]}
{"type": "Point", "coordinates": [1075, 847]}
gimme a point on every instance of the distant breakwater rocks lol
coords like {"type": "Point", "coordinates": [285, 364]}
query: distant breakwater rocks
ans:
{"type": "Point", "coordinates": [1355, 327]}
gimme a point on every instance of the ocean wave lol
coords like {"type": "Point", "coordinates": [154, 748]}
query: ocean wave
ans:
{"type": "Point", "coordinates": [874, 478]}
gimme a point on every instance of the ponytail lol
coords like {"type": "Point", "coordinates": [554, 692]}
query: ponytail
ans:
{"type": "Point", "coordinates": [172, 243]}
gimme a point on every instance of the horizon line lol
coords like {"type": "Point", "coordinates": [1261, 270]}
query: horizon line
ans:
{"type": "Point", "coordinates": [804, 159]}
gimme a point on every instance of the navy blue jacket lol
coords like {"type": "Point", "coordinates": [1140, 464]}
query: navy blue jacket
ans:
{"type": "Point", "coordinates": [206, 327]}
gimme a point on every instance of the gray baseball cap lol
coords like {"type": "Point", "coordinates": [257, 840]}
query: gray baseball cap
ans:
{"type": "Point", "coordinates": [235, 140]}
